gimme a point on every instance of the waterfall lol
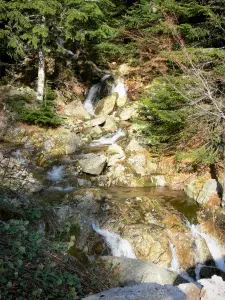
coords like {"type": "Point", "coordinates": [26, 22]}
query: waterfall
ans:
{"type": "Point", "coordinates": [119, 247]}
{"type": "Point", "coordinates": [120, 88]}
{"type": "Point", "coordinates": [56, 173]}
{"type": "Point", "coordinates": [17, 154]}
{"type": "Point", "coordinates": [212, 244]}
{"type": "Point", "coordinates": [174, 263]}
{"type": "Point", "coordinates": [94, 94]}
{"type": "Point", "coordinates": [108, 139]}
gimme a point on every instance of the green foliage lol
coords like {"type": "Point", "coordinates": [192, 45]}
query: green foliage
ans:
{"type": "Point", "coordinates": [164, 109]}
{"type": "Point", "coordinates": [28, 270]}
{"type": "Point", "coordinates": [44, 114]}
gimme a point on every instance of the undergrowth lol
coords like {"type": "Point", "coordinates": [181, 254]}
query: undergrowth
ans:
{"type": "Point", "coordinates": [43, 114]}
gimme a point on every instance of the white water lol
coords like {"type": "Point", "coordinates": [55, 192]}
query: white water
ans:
{"type": "Point", "coordinates": [91, 99]}
{"type": "Point", "coordinates": [108, 140]}
{"type": "Point", "coordinates": [174, 263]}
{"type": "Point", "coordinates": [61, 189]}
{"type": "Point", "coordinates": [120, 88]}
{"type": "Point", "coordinates": [56, 173]}
{"type": "Point", "coordinates": [213, 246]}
{"type": "Point", "coordinates": [119, 247]}
{"type": "Point", "coordinates": [94, 94]}
{"type": "Point", "coordinates": [17, 154]}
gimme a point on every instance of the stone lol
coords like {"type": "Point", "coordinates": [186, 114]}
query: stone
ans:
{"type": "Point", "coordinates": [110, 125]}
{"type": "Point", "coordinates": [134, 146]}
{"type": "Point", "coordinates": [15, 176]}
{"type": "Point", "coordinates": [95, 122]}
{"type": "Point", "coordinates": [114, 159]}
{"type": "Point", "coordinates": [95, 131]}
{"type": "Point", "coordinates": [115, 149]}
{"type": "Point", "coordinates": [209, 193]}
{"type": "Point", "coordinates": [93, 163]}
{"type": "Point", "coordinates": [121, 101]}
{"type": "Point", "coordinates": [190, 290]}
{"type": "Point", "coordinates": [128, 112]}
{"type": "Point", "coordinates": [76, 110]}
{"type": "Point", "coordinates": [144, 291]}
{"type": "Point", "coordinates": [128, 271]}
{"type": "Point", "coordinates": [192, 189]}
{"type": "Point", "coordinates": [106, 105]}
{"type": "Point", "coordinates": [141, 164]}
{"type": "Point", "coordinates": [213, 289]}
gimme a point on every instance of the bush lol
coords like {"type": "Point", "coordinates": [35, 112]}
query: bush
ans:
{"type": "Point", "coordinates": [29, 268]}
{"type": "Point", "coordinates": [44, 114]}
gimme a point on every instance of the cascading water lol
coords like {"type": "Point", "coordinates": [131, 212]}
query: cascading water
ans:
{"type": "Point", "coordinates": [94, 94]}
{"type": "Point", "coordinates": [56, 173]}
{"type": "Point", "coordinates": [120, 88]}
{"type": "Point", "coordinates": [119, 247]}
{"type": "Point", "coordinates": [214, 248]}
{"type": "Point", "coordinates": [174, 263]}
{"type": "Point", "coordinates": [108, 139]}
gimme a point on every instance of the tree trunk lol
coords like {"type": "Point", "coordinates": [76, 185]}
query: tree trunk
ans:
{"type": "Point", "coordinates": [41, 76]}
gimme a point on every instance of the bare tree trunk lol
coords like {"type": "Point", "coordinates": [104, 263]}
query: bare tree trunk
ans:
{"type": "Point", "coordinates": [41, 76]}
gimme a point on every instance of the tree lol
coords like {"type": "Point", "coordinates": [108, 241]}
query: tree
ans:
{"type": "Point", "coordinates": [40, 27]}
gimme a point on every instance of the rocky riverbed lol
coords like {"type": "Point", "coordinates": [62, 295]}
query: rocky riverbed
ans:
{"type": "Point", "coordinates": [97, 174]}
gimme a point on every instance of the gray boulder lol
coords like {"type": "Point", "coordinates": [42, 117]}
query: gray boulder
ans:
{"type": "Point", "coordinates": [76, 110]}
{"type": "Point", "coordinates": [106, 105]}
{"type": "Point", "coordinates": [144, 291]}
{"type": "Point", "coordinates": [209, 193]}
{"type": "Point", "coordinates": [93, 163]}
{"type": "Point", "coordinates": [130, 271]}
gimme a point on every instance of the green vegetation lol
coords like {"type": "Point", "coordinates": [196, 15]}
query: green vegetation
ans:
{"type": "Point", "coordinates": [44, 114]}
{"type": "Point", "coordinates": [27, 254]}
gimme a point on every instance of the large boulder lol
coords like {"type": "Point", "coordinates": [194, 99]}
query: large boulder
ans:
{"type": "Point", "coordinates": [128, 112]}
{"type": "Point", "coordinates": [106, 105]}
{"type": "Point", "coordinates": [209, 193]}
{"type": "Point", "coordinates": [144, 291]}
{"type": "Point", "coordinates": [17, 177]}
{"type": "Point", "coordinates": [95, 122]}
{"type": "Point", "coordinates": [76, 110]}
{"type": "Point", "coordinates": [128, 271]}
{"type": "Point", "coordinates": [110, 125]}
{"type": "Point", "coordinates": [141, 164]}
{"type": "Point", "coordinates": [213, 289]}
{"type": "Point", "coordinates": [93, 163]}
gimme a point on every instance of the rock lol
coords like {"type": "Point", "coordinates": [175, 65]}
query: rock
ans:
{"type": "Point", "coordinates": [134, 146]}
{"type": "Point", "coordinates": [76, 110]}
{"type": "Point", "coordinates": [114, 159]}
{"type": "Point", "coordinates": [95, 131]}
{"type": "Point", "coordinates": [213, 289]}
{"type": "Point", "coordinates": [93, 163]}
{"type": "Point", "coordinates": [110, 125]}
{"type": "Point", "coordinates": [128, 271]}
{"type": "Point", "coordinates": [115, 149]}
{"type": "Point", "coordinates": [16, 177]}
{"type": "Point", "coordinates": [71, 143]}
{"type": "Point", "coordinates": [83, 182]}
{"type": "Point", "coordinates": [22, 91]}
{"type": "Point", "coordinates": [96, 121]}
{"type": "Point", "coordinates": [192, 189]}
{"type": "Point", "coordinates": [121, 101]}
{"type": "Point", "coordinates": [106, 105]}
{"type": "Point", "coordinates": [141, 164]}
{"type": "Point", "coordinates": [144, 291]}
{"type": "Point", "coordinates": [209, 193]}
{"type": "Point", "coordinates": [190, 290]}
{"type": "Point", "coordinates": [128, 112]}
